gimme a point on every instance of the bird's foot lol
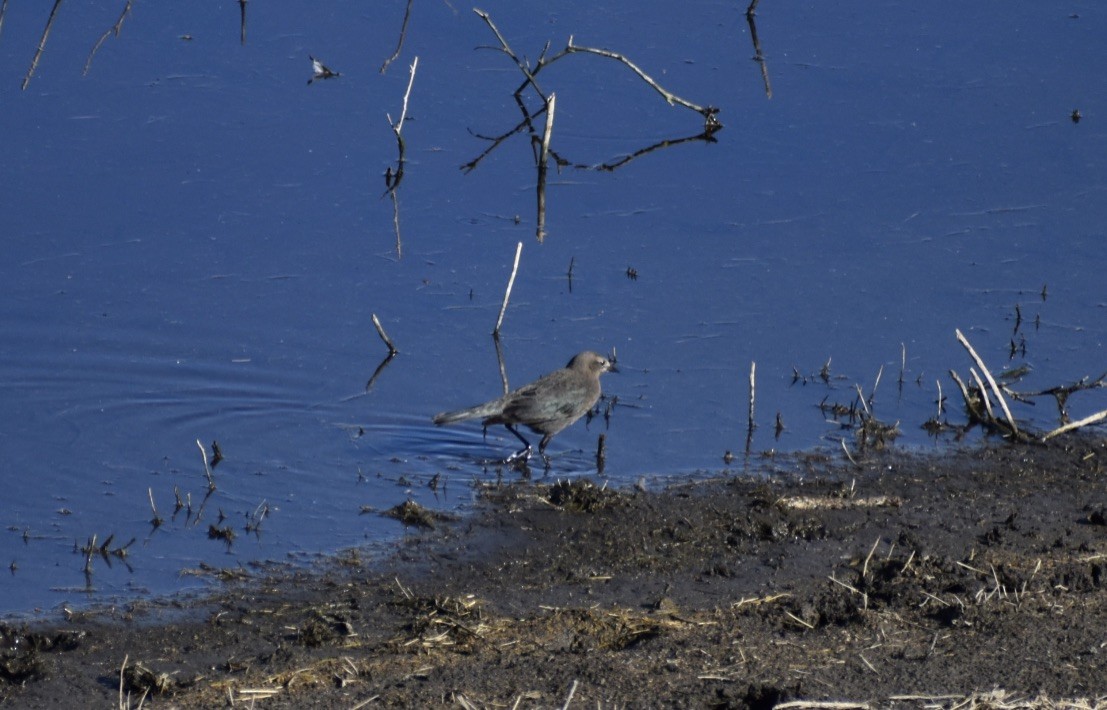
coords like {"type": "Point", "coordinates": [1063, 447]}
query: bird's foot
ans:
{"type": "Point", "coordinates": [522, 456]}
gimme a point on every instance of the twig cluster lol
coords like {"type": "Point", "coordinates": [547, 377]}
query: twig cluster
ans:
{"type": "Point", "coordinates": [985, 399]}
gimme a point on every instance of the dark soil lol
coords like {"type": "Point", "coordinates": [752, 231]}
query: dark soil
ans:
{"type": "Point", "coordinates": [973, 579]}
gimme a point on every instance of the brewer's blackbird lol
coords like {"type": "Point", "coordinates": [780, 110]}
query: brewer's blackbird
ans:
{"type": "Point", "coordinates": [545, 406]}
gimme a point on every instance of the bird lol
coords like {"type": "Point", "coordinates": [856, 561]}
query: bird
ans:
{"type": "Point", "coordinates": [320, 70]}
{"type": "Point", "coordinates": [545, 406]}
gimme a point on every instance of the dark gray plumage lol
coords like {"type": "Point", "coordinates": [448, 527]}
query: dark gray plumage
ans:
{"type": "Point", "coordinates": [545, 406]}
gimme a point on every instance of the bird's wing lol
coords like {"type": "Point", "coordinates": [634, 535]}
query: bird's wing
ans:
{"type": "Point", "coordinates": [533, 404]}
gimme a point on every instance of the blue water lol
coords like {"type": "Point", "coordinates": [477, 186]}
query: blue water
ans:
{"type": "Point", "coordinates": [196, 240]}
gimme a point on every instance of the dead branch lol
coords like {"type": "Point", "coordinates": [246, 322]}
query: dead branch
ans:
{"type": "Point", "coordinates": [750, 426]}
{"type": "Point", "coordinates": [758, 56]}
{"type": "Point", "coordinates": [506, 49]}
{"type": "Point", "coordinates": [242, 22]}
{"type": "Point", "coordinates": [114, 29]}
{"type": "Point", "coordinates": [1062, 393]}
{"type": "Point", "coordinates": [392, 179]}
{"type": "Point", "coordinates": [507, 293]}
{"type": "Point", "coordinates": [709, 113]}
{"type": "Point", "coordinates": [991, 381]}
{"type": "Point", "coordinates": [383, 335]}
{"type": "Point", "coordinates": [400, 44]}
{"type": "Point", "coordinates": [543, 160]}
{"type": "Point", "coordinates": [1097, 417]}
{"type": "Point", "coordinates": [42, 44]}
{"type": "Point", "coordinates": [207, 467]}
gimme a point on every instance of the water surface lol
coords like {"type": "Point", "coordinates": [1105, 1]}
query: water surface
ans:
{"type": "Point", "coordinates": [196, 240]}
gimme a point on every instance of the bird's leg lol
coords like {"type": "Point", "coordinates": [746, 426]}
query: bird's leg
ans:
{"type": "Point", "coordinates": [523, 453]}
{"type": "Point", "coordinates": [542, 450]}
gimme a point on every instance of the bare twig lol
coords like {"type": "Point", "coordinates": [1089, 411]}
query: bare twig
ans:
{"type": "Point", "coordinates": [908, 562]}
{"type": "Point", "coordinates": [569, 699]}
{"type": "Point", "coordinates": [865, 567]}
{"type": "Point", "coordinates": [392, 179]}
{"type": "Point", "coordinates": [500, 362]}
{"type": "Point", "coordinates": [495, 141]}
{"type": "Point", "coordinates": [399, 125]}
{"type": "Point", "coordinates": [551, 105]}
{"type": "Point", "coordinates": [396, 222]}
{"type": "Point", "coordinates": [42, 43]}
{"type": "Point", "coordinates": [506, 48]}
{"type": "Point", "coordinates": [242, 21]}
{"type": "Point", "coordinates": [1097, 417]}
{"type": "Point", "coordinates": [848, 454]}
{"type": "Point", "coordinates": [507, 293]}
{"type": "Point", "coordinates": [383, 335]}
{"type": "Point", "coordinates": [122, 670]}
{"type": "Point", "coordinates": [107, 33]}
{"type": "Point", "coordinates": [89, 551]}
{"type": "Point", "coordinates": [879, 374]}
{"type": "Point", "coordinates": [380, 368]}
{"type": "Point", "coordinates": [400, 44]}
{"type": "Point", "coordinates": [157, 520]}
{"type": "Point", "coordinates": [822, 705]}
{"type": "Point", "coordinates": [705, 136]}
{"type": "Point", "coordinates": [991, 381]}
{"type": "Point", "coordinates": [983, 394]}
{"type": "Point", "coordinates": [207, 468]}
{"type": "Point", "coordinates": [750, 426]}
{"type": "Point", "coordinates": [758, 56]}
{"type": "Point", "coordinates": [799, 621]}
{"type": "Point", "coordinates": [1063, 392]}
{"type": "Point", "coordinates": [543, 160]}
{"type": "Point", "coordinates": [973, 410]}
{"type": "Point", "coordinates": [708, 112]}
{"type": "Point", "coordinates": [861, 398]}
{"type": "Point", "coordinates": [530, 73]}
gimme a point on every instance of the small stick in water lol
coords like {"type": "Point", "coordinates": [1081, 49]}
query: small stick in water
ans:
{"type": "Point", "coordinates": [510, 284]}
{"type": "Point", "coordinates": [207, 468]}
{"type": "Point", "coordinates": [991, 381]}
{"type": "Point", "coordinates": [753, 391]}
{"type": "Point", "coordinates": [157, 519]}
{"type": "Point", "coordinates": [384, 336]}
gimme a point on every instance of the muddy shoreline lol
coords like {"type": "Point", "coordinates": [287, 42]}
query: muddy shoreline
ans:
{"type": "Point", "coordinates": [975, 577]}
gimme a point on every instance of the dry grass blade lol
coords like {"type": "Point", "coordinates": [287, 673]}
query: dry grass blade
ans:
{"type": "Point", "coordinates": [865, 568]}
{"type": "Point", "coordinates": [799, 621]}
{"type": "Point", "coordinates": [572, 692]}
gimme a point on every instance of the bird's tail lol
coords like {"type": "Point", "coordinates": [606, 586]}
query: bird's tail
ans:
{"type": "Point", "coordinates": [480, 411]}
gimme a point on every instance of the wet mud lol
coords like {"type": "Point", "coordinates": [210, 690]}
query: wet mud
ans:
{"type": "Point", "coordinates": [975, 578]}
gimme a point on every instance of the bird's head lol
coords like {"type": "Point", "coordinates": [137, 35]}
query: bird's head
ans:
{"type": "Point", "coordinates": [592, 362]}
